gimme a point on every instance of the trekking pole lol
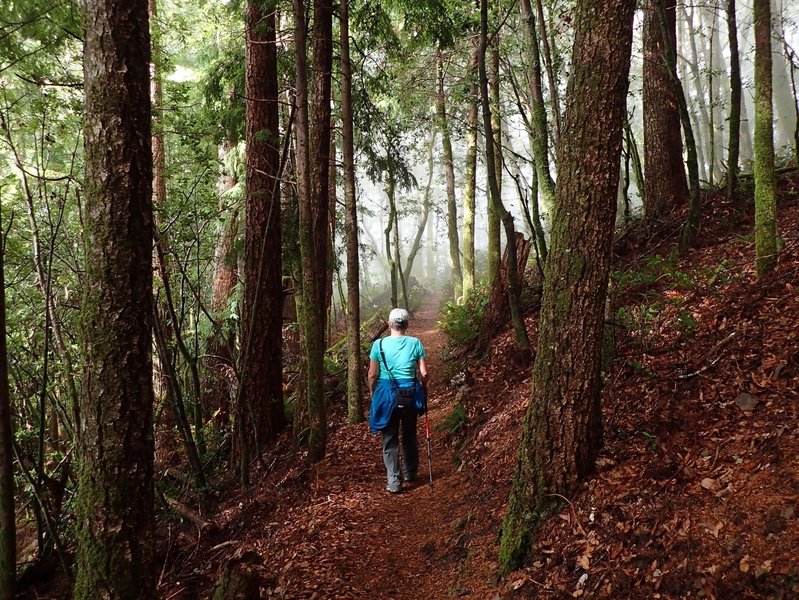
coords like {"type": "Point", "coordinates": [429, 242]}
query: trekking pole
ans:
{"type": "Point", "coordinates": [427, 441]}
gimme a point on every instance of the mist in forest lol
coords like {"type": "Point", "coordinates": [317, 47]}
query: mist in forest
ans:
{"type": "Point", "coordinates": [704, 72]}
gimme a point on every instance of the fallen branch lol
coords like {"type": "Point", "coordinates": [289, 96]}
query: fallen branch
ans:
{"type": "Point", "coordinates": [184, 511]}
{"type": "Point", "coordinates": [712, 363]}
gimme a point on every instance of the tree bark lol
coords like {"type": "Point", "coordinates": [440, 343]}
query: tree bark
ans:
{"type": "Point", "coordinates": [114, 506]}
{"type": "Point", "coordinates": [471, 173]}
{"type": "Point", "coordinates": [666, 184]}
{"type": "Point", "coordinates": [494, 225]}
{"type": "Point", "coordinates": [765, 184]}
{"type": "Point", "coordinates": [260, 414]}
{"type": "Point", "coordinates": [539, 133]}
{"type": "Point", "coordinates": [552, 73]}
{"type": "Point", "coordinates": [562, 431]}
{"type": "Point", "coordinates": [312, 192]}
{"type": "Point", "coordinates": [354, 393]}
{"type": "Point", "coordinates": [735, 102]}
{"type": "Point", "coordinates": [449, 171]}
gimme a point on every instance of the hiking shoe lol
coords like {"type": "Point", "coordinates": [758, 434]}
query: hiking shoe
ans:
{"type": "Point", "coordinates": [409, 477]}
{"type": "Point", "coordinates": [393, 489]}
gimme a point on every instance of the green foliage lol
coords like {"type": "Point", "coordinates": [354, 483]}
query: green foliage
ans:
{"type": "Point", "coordinates": [686, 324]}
{"type": "Point", "coordinates": [639, 320]}
{"type": "Point", "coordinates": [455, 422]}
{"type": "Point", "coordinates": [461, 322]}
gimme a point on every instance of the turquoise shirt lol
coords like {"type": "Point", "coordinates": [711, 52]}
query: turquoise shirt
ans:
{"type": "Point", "coordinates": [402, 354]}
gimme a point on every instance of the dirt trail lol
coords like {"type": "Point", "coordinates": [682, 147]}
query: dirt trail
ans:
{"type": "Point", "coordinates": [409, 530]}
{"type": "Point", "coordinates": [333, 531]}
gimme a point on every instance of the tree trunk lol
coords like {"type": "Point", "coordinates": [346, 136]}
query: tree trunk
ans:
{"type": "Point", "coordinates": [322, 56]}
{"type": "Point", "coordinates": [449, 171]}
{"type": "Point", "coordinates": [666, 185]}
{"type": "Point", "coordinates": [218, 373]}
{"type": "Point", "coordinates": [426, 205]}
{"type": "Point", "coordinates": [8, 524]}
{"type": "Point", "coordinates": [539, 133]}
{"type": "Point", "coordinates": [114, 506]}
{"type": "Point", "coordinates": [392, 213]}
{"type": "Point", "coordinates": [496, 311]}
{"type": "Point", "coordinates": [354, 394]}
{"type": "Point", "coordinates": [765, 184]}
{"type": "Point", "coordinates": [431, 266]}
{"type": "Point", "coordinates": [494, 241]}
{"type": "Point", "coordinates": [514, 277]}
{"type": "Point", "coordinates": [552, 73]}
{"type": "Point", "coordinates": [695, 200]}
{"type": "Point", "coordinates": [469, 194]}
{"type": "Point", "coordinates": [562, 432]}
{"type": "Point", "coordinates": [260, 412]}
{"type": "Point", "coordinates": [310, 313]}
{"type": "Point", "coordinates": [735, 102]}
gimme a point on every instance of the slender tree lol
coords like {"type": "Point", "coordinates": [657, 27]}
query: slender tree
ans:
{"type": "Point", "coordinates": [562, 431]}
{"type": "Point", "coordinates": [539, 132]}
{"type": "Point", "coordinates": [8, 521]}
{"type": "Point", "coordinates": [514, 277]}
{"type": "Point", "coordinates": [666, 184]}
{"type": "Point", "coordinates": [260, 414]}
{"type": "Point", "coordinates": [449, 171]}
{"type": "Point", "coordinates": [471, 172]}
{"type": "Point", "coordinates": [735, 101]}
{"type": "Point", "coordinates": [354, 401]}
{"type": "Point", "coordinates": [494, 224]}
{"type": "Point", "coordinates": [114, 508]}
{"type": "Point", "coordinates": [765, 184]}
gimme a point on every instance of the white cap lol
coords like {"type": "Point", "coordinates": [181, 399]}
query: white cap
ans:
{"type": "Point", "coordinates": [399, 316]}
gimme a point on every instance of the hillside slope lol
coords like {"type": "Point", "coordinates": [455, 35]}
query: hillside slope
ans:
{"type": "Point", "coordinates": [695, 493]}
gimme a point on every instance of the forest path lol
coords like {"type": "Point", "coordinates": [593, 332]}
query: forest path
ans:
{"type": "Point", "coordinates": [354, 539]}
{"type": "Point", "coordinates": [407, 557]}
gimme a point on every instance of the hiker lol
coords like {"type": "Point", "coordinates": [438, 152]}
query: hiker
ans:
{"type": "Point", "coordinates": [398, 396]}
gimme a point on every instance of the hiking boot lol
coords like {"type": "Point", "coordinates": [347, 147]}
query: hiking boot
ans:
{"type": "Point", "coordinates": [391, 489]}
{"type": "Point", "coordinates": [409, 477]}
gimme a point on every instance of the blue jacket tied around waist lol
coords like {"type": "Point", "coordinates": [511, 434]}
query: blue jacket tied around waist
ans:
{"type": "Point", "coordinates": [384, 402]}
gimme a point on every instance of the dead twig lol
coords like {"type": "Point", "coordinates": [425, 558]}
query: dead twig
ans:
{"type": "Point", "coordinates": [712, 363]}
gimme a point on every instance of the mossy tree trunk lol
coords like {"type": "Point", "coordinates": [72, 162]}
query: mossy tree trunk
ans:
{"type": "Point", "coordinates": [666, 184]}
{"type": "Point", "coordinates": [514, 276]}
{"type": "Point", "coordinates": [354, 393]}
{"type": "Point", "coordinates": [114, 506]}
{"type": "Point", "coordinates": [735, 101]}
{"type": "Point", "coordinates": [539, 134]}
{"type": "Point", "coordinates": [765, 179]}
{"type": "Point", "coordinates": [470, 184]}
{"type": "Point", "coordinates": [494, 225]}
{"type": "Point", "coordinates": [449, 171]}
{"type": "Point", "coordinates": [562, 431]}
{"type": "Point", "coordinates": [8, 525]}
{"type": "Point", "coordinates": [260, 411]}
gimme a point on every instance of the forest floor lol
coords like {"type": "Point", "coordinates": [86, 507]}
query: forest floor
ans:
{"type": "Point", "coordinates": [694, 496]}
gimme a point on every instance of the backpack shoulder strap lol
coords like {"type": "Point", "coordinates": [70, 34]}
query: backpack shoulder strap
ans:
{"type": "Point", "coordinates": [383, 355]}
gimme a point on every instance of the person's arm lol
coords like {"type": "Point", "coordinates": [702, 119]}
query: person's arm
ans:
{"type": "Point", "coordinates": [424, 376]}
{"type": "Point", "coordinates": [374, 373]}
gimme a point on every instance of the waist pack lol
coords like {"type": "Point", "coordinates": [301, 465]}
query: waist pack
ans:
{"type": "Point", "coordinates": [404, 396]}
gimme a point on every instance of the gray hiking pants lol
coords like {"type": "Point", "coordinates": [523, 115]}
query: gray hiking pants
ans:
{"type": "Point", "coordinates": [410, 449]}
